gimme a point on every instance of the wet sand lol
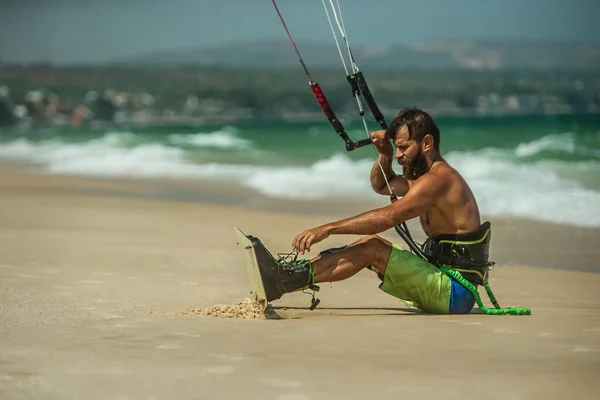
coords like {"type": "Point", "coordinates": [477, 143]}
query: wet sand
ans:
{"type": "Point", "coordinates": [96, 277]}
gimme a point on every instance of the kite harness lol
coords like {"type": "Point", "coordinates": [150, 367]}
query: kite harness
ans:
{"type": "Point", "coordinates": [456, 267]}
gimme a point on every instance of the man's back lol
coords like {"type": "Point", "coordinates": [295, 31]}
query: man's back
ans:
{"type": "Point", "coordinates": [456, 211]}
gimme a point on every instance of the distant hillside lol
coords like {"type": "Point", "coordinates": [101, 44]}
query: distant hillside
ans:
{"type": "Point", "coordinates": [451, 54]}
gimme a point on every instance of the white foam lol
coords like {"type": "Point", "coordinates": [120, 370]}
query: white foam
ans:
{"type": "Point", "coordinates": [337, 176]}
{"type": "Point", "coordinates": [19, 149]}
{"type": "Point", "coordinates": [224, 139]}
{"type": "Point", "coordinates": [535, 191]}
{"type": "Point", "coordinates": [560, 143]}
{"type": "Point", "coordinates": [504, 186]}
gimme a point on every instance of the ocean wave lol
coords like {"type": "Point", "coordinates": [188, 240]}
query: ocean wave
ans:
{"type": "Point", "coordinates": [532, 191]}
{"type": "Point", "coordinates": [337, 176]}
{"type": "Point", "coordinates": [564, 143]}
{"type": "Point", "coordinates": [226, 138]}
{"type": "Point", "coordinates": [547, 190]}
{"type": "Point", "coordinates": [117, 139]}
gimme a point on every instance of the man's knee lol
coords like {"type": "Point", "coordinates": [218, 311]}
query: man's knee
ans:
{"type": "Point", "coordinates": [376, 251]}
{"type": "Point", "coordinates": [375, 243]}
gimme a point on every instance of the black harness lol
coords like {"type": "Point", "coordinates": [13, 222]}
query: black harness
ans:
{"type": "Point", "coordinates": [466, 253]}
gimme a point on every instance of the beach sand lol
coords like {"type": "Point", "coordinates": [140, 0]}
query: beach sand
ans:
{"type": "Point", "coordinates": [106, 286]}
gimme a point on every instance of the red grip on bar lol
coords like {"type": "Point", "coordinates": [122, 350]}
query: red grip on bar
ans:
{"type": "Point", "coordinates": [326, 107]}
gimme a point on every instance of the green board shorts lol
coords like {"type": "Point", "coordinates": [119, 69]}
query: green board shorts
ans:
{"type": "Point", "coordinates": [420, 284]}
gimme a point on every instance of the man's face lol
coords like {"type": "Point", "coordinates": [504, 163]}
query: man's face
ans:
{"type": "Point", "coordinates": [409, 155]}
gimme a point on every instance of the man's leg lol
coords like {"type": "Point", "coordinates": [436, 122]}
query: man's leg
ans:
{"type": "Point", "coordinates": [280, 276]}
{"type": "Point", "coordinates": [404, 275]}
{"type": "Point", "coordinates": [371, 251]}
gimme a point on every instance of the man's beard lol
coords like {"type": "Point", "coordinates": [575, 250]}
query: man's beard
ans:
{"type": "Point", "coordinates": [415, 168]}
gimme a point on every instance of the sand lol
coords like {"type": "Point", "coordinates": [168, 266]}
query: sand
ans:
{"type": "Point", "coordinates": [247, 309]}
{"type": "Point", "coordinates": [124, 290]}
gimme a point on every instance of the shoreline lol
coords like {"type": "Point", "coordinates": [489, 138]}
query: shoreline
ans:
{"type": "Point", "coordinates": [514, 242]}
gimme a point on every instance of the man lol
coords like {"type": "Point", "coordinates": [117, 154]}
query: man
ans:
{"type": "Point", "coordinates": [429, 189]}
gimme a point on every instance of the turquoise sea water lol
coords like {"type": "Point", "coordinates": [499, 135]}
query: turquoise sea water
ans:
{"type": "Point", "coordinates": [539, 167]}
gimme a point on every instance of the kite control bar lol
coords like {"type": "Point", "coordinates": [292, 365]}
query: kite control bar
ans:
{"type": "Point", "coordinates": [334, 121]}
{"type": "Point", "coordinates": [320, 96]}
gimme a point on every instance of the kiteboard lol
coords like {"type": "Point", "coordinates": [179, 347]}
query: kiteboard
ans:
{"type": "Point", "coordinates": [257, 289]}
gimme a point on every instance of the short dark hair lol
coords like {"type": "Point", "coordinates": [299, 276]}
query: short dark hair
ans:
{"type": "Point", "coordinates": [419, 124]}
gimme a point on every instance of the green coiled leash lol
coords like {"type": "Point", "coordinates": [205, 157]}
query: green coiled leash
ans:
{"type": "Point", "coordinates": [490, 311]}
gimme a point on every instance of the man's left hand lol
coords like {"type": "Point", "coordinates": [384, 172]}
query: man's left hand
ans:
{"type": "Point", "coordinates": [303, 241]}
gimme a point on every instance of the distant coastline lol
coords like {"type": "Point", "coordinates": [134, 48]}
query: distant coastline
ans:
{"type": "Point", "coordinates": [263, 82]}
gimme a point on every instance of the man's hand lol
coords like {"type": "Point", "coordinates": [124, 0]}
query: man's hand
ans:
{"type": "Point", "coordinates": [381, 143]}
{"type": "Point", "coordinates": [303, 241]}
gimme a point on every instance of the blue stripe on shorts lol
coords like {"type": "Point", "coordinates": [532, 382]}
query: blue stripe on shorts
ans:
{"type": "Point", "coordinates": [461, 300]}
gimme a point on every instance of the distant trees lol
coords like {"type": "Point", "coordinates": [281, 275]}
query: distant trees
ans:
{"type": "Point", "coordinates": [271, 92]}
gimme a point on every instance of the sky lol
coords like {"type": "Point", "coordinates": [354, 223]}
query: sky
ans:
{"type": "Point", "coordinates": [66, 31]}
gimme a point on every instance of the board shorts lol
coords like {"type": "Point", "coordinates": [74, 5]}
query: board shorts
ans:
{"type": "Point", "coordinates": [420, 284]}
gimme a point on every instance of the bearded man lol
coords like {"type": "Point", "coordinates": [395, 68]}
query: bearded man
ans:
{"type": "Point", "coordinates": [428, 189]}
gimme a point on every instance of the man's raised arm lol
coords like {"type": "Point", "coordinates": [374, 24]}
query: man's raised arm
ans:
{"type": "Point", "coordinates": [398, 183]}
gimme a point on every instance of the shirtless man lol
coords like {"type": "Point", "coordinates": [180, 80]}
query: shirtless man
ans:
{"type": "Point", "coordinates": [429, 189]}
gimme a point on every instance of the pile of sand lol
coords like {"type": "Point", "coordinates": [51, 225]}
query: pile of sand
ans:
{"type": "Point", "coordinates": [247, 309]}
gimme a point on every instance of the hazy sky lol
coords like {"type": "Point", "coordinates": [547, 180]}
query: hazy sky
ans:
{"type": "Point", "coordinates": [98, 30]}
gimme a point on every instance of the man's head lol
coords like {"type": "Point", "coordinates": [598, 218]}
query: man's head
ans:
{"type": "Point", "coordinates": [415, 136]}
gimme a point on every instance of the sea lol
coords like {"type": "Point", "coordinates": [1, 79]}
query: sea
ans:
{"type": "Point", "coordinates": [543, 168]}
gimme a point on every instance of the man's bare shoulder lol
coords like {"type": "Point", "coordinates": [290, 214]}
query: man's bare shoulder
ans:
{"type": "Point", "coordinates": [443, 170]}
{"type": "Point", "coordinates": [440, 175]}
{"type": "Point", "coordinates": [456, 185]}
{"type": "Point", "coordinates": [432, 181]}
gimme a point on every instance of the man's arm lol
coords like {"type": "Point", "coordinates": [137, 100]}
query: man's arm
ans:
{"type": "Point", "coordinates": [398, 183]}
{"type": "Point", "coordinates": [417, 201]}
